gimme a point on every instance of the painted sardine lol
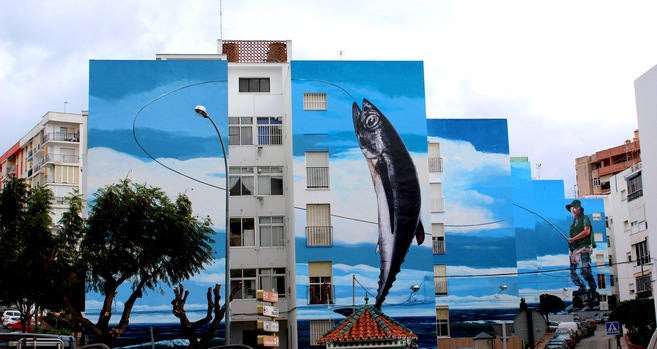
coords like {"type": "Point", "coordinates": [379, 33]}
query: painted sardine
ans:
{"type": "Point", "coordinates": [397, 191]}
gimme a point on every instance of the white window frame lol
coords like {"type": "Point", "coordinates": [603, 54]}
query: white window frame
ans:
{"type": "Point", "coordinates": [274, 229]}
{"type": "Point", "coordinates": [315, 101]}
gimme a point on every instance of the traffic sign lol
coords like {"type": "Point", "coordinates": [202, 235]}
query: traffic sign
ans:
{"type": "Point", "coordinates": [521, 325]}
{"type": "Point", "coordinates": [267, 341]}
{"type": "Point", "coordinates": [268, 326]}
{"type": "Point", "coordinates": [612, 327]}
{"type": "Point", "coordinates": [267, 310]}
{"type": "Point", "coordinates": [267, 296]}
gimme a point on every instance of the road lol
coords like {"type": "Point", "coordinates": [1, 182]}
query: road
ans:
{"type": "Point", "coordinates": [600, 340]}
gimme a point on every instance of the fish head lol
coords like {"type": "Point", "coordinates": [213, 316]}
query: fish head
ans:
{"type": "Point", "coordinates": [370, 126]}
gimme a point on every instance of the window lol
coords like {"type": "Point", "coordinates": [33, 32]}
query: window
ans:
{"type": "Point", "coordinates": [320, 287]}
{"type": "Point", "coordinates": [596, 182]}
{"type": "Point", "coordinates": [254, 84]}
{"type": "Point", "coordinates": [241, 181]}
{"type": "Point", "coordinates": [438, 237]}
{"type": "Point", "coordinates": [643, 284]}
{"type": "Point", "coordinates": [272, 230]}
{"type": "Point", "coordinates": [318, 225]}
{"type": "Point", "coordinates": [240, 131]}
{"type": "Point", "coordinates": [270, 130]}
{"type": "Point", "coordinates": [440, 279]}
{"type": "Point", "coordinates": [317, 170]}
{"type": "Point", "coordinates": [270, 180]}
{"type": "Point", "coordinates": [596, 216]}
{"type": "Point", "coordinates": [600, 260]}
{"type": "Point", "coordinates": [437, 202]}
{"type": "Point", "coordinates": [442, 321]}
{"type": "Point", "coordinates": [612, 280]}
{"type": "Point", "coordinates": [642, 252]}
{"type": "Point", "coordinates": [435, 161]}
{"type": "Point", "coordinates": [318, 328]}
{"type": "Point", "coordinates": [242, 232]}
{"type": "Point", "coordinates": [273, 279]}
{"type": "Point", "coordinates": [634, 187]}
{"type": "Point", "coordinates": [314, 101]}
{"type": "Point", "coordinates": [601, 281]}
{"type": "Point", "coordinates": [248, 279]}
{"type": "Point", "coordinates": [66, 174]}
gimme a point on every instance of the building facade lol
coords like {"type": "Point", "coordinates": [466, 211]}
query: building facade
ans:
{"type": "Point", "coordinates": [499, 235]}
{"type": "Point", "coordinates": [630, 261]}
{"type": "Point", "coordinates": [52, 154]}
{"type": "Point", "coordinates": [646, 91]}
{"type": "Point", "coordinates": [303, 210]}
{"type": "Point", "coordinates": [593, 172]}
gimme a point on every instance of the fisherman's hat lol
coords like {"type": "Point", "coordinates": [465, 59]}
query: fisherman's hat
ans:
{"type": "Point", "coordinates": [576, 204]}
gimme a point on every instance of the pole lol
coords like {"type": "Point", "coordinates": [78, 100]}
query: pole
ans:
{"type": "Point", "coordinates": [202, 112]}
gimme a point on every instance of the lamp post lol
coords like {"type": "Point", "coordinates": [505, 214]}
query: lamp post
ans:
{"type": "Point", "coordinates": [200, 110]}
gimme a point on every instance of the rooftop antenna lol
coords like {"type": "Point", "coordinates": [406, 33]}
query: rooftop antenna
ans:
{"type": "Point", "coordinates": [340, 54]}
{"type": "Point", "coordinates": [538, 170]}
{"type": "Point", "coordinates": [65, 103]}
{"type": "Point", "coordinates": [221, 31]}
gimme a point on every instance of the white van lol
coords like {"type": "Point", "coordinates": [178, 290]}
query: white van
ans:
{"type": "Point", "coordinates": [574, 326]}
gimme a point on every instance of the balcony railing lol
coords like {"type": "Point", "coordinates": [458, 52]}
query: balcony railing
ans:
{"type": "Point", "coordinates": [438, 245]}
{"type": "Point", "coordinates": [440, 285]}
{"type": "Point", "coordinates": [435, 164]}
{"type": "Point", "coordinates": [317, 177]}
{"type": "Point", "coordinates": [319, 236]}
{"type": "Point", "coordinates": [255, 51]}
{"type": "Point", "coordinates": [61, 137]}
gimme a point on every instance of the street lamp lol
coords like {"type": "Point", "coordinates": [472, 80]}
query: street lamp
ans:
{"type": "Point", "coordinates": [200, 110]}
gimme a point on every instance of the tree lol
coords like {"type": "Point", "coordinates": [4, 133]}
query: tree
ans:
{"type": "Point", "coordinates": [135, 234]}
{"type": "Point", "coordinates": [638, 316]}
{"type": "Point", "coordinates": [27, 243]}
{"type": "Point", "coordinates": [214, 313]}
{"type": "Point", "coordinates": [550, 304]}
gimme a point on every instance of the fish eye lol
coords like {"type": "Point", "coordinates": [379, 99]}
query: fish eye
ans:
{"type": "Point", "coordinates": [371, 120]}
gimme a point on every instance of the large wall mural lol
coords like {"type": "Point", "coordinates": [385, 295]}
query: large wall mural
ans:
{"type": "Point", "coordinates": [142, 126]}
{"type": "Point", "coordinates": [373, 132]}
{"type": "Point", "coordinates": [505, 232]}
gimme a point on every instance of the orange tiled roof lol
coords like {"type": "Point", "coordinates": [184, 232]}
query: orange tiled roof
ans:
{"type": "Point", "coordinates": [367, 324]}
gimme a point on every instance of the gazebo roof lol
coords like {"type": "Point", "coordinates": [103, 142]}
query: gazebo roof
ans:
{"type": "Point", "coordinates": [367, 324]}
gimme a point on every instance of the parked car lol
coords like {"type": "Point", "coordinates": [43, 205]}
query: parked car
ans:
{"type": "Point", "coordinates": [555, 344]}
{"type": "Point", "coordinates": [10, 316]}
{"type": "Point", "coordinates": [16, 326]}
{"type": "Point", "coordinates": [575, 327]}
{"type": "Point", "coordinates": [567, 335]}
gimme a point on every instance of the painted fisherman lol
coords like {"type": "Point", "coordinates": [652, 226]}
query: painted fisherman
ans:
{"type": "Point", "coordinates": [580, 242]}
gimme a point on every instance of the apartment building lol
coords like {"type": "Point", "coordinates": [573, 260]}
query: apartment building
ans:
{"type": "Point", "coordinates": [303, 210]}
{"type": "Point", "coordinates": [645, 88]}
{"type": "Point", "coordinates": [52, 155]}
{"type": "Point", "coordinates": [593, 172]}
{"type": "Point", "coordinates": [631, 264]}
{"type": "Point", "coordinates": [499, 235]}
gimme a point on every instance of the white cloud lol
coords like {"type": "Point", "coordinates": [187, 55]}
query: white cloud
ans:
{"type": "Point", "coordinates": [466, 271]}
{"type": "Point", "coordinates": [206, 201]}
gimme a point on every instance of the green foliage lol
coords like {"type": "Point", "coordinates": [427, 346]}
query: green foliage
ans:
{"type": "Point", "coordinates": [27, 244]}
{"type": "Point", "coordinates": [136, 234]}
{"type": "Point", "coordinates": [550, 304]}
{"type": "Point", "coordinates": [638, 316]}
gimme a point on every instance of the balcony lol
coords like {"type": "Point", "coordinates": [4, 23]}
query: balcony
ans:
{"type": "Point", "coordinates": [317, 177]}
{"type": "Point", "coordinates": [317, 236]}
{"type": "Point", "coordinates": [435, 164]}
{"type": "Point", "coordinates": [62, 137]}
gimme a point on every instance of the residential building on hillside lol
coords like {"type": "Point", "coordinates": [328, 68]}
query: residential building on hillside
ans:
{"type": "Point", "coordinates": [645, 88]}
{"type": "Point", "coordinates": [594, 171]}
{"type": "Point", "coordinates": [51, 154]}
{"type": "Point", "coordinates": [628, 229]}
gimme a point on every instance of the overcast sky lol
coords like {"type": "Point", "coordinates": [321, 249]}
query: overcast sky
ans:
{"type": "Point", "coordinates": [561, 72]}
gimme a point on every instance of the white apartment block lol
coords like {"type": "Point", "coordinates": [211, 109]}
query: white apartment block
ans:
{"type": "Point", "coordinates": [627, 227]}
{"type": "Point", "coordinates": [259, 158]}
{"type": "Point", "coordinates": [646, 94]}
{"type": "Point", "coordinates": [52, 154]}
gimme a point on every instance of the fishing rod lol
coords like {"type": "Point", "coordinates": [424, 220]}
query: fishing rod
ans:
{"type": "Point", "coordinates": [548, 222]}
